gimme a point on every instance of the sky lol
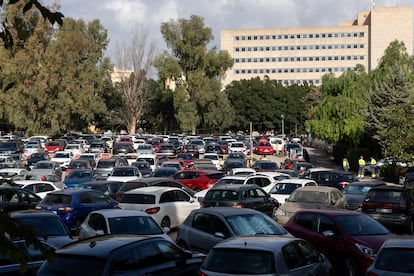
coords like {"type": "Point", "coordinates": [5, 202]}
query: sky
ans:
{"type": "Point", "coordinates": [121, 17]}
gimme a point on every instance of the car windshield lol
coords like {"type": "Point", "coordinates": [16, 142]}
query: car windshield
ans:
{"type": "Point", "coordinates": [164, 172]}
{"type": "Point", "coordinates": [239, 261]}
{"type": "Point", "coordinates": [79, 174]}
{"type": "Point", "coordinates": [123, 172]}
{"type": "Point", "coordinates": [62, 155]}
{"type": "Point", "coordinates": [222, 195]}
{"type": "Point", "coordinates": [386, 196]}
{"type": "Point", "coordinates": [356, 189]}
{"type": "Point", "coordinates": [396, 260]}
{"type": "Point", "coordinates": [361, 225]}
{"type": "Point", "coordinates": [136, 225]}
{"type": "Point", "coordinates": [106, 164]}
{"type": "Point", "coordinates": [309, 196]}
{"type": "Point", "coordinates": [41, 165]}
{"type": "Point", "coordinates": [229, 181]}
{"type": "Point", "coordinates": [45, 226]}
{"type": "Point", "coordinates": [268, 166]}
{"type": "Point", "coordinates": [57, 199]}
{"type": "Point", "coordinates": [149, 160]}
{"type": "Point", "coordinates": [76, 265]}
{"type": "Point", "coordinates": [284, 188]}
{"type": "Point", "coordinates": [138, 199]}
{"type": "Point", "coordinates": [254, 224]}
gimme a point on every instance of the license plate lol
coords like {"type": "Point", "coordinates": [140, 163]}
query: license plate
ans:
{"type": "Point", "coordinates": [386, 211]}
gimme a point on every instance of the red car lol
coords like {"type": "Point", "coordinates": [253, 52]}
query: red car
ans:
{"type": "Point", "coordinates": [349, 239]}
{"type": "Point", "coordinates": [198, 180]}
{"type": "Point", "coordinates": [264, 148]}
{"type": "Point", "coordinates": [187, 158]}
{"type": "Point", "coordinates": [289, 163]}
{"type": "Point", "coordinates": [54, 146]}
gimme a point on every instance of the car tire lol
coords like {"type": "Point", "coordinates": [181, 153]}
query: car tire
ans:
{"type": "Point", "coordinates": [166, 222]}
{"type": "Point", "coordinates": [350, 267]}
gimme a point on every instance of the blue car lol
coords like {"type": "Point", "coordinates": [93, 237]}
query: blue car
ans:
{"type": "Point", "coordinates": [73, 205]}
{"type": "Point", "coordinates": [78, 176]}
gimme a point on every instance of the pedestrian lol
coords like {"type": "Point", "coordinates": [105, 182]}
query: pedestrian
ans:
{"type": "Point", "coordinates": [373, 167]}
{"type": "Point", "coordinates": [301, 172]}
{"type": "Point", "coordinates": [345, 164]}
{"type": "Point", "coordinates": [361, 169]}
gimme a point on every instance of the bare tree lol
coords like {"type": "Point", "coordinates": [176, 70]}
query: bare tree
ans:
{"type": "Point", "coordinates": [133, 61]}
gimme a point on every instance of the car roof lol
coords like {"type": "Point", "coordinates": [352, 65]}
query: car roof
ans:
{"type": "Point", "coordinates": [32, 213]}
{"type": "Point", "coordinates": [399, 242]}
{"type": "Point", "coordinates": [72, 191]}
{"type": "Point", "coordinates": [297, 181]}
{"type": "Point", "coordinates": [262, 242]}
{"type": "Point", "coordinates": [367, 183]}
{"type": "Point", "coordinates": [154, 190]}
{"type": "Point", "coordinates": [331, 212]}
{"type": "Point", "coordinates": [101, 246]}
{"type": "Point", "coordinates": [227, 211]}
{"type": "Point", "coordinates": [234, 187]}
{"type": "Point", "coordinates": [316, 188]}
{"type": "Point", "coordinates": [27, 182]}
{"type": "Point", "coordinates": [112, 213]}
{"type": "Point", "coordinates": [386, 187]}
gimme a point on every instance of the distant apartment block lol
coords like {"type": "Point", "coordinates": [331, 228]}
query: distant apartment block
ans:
{"type": "Point", "coordinates": [299, 55]}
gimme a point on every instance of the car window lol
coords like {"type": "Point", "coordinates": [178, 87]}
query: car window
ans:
{"type": "Point", "coordinates": [138, 198]}
{"type": "Point", "coordinates": [167, 197]}
{"type": "Point", "coordinates": [57, 199]}
{"type": "Point", "coordinates": [306, 220]}
{"type": "Point", "coordinates": [97, 222]}
{"type": "Point", "coordinates": [99, 198]}
{"type": "Point", "coordinates": [181, 196]}
{"type": "Point", "coordinates": [325, 224]}
{"type": "Point", "coordinates": [243, 225]}
{"type": "Point", "coordinates": [260, 193]}
{"type": "Point", "coordinates": [84, 198]}
{"type": "Point", "coordinates": [44, 187]}
{"type": "Point", "coordinates": [29, 197]}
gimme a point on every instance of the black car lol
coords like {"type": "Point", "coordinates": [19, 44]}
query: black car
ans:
{"type": "Point", "coordinates": [109, 188]}
{"type": "Point", "coordinates": [230, 164]}
{"type": "Point", "coordinates": [36, 157]}
{"type": "Point", "coordinates": [240, 196]}
{"type": "Point", "coordinates": [47, 226]}
{"type": "Point", "coordinates": [122, 148]}
{"type": "Point", "coordinates": [15, 199]}
{"type": "Point", "coordinates": [98, 147]}
{"type": "Point", "coordinates": [356, 192]}
{"type": "Point", "coordinates": [330, 177]}
{"type": "Point", "coordinates": [11, 146]}
{"type": "Point", "coordinates": [123, 254]}
{"type": "Point", "coordinates": [392, 206]}
{"type": "Point", "coordinates": [144, 167]}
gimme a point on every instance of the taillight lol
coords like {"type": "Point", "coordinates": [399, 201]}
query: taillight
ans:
{"type": "Point", "coordinates": [237, 205]}
{"type": "Point", "coordinates": [153, 210]}
{"type": "Point", "coordinates": [66, 210]}
{"type": "Point", "coordinates": [343, 184]}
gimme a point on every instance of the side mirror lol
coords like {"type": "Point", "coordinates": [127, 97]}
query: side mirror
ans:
{"type": "Point", "coordinates": [328, 234]}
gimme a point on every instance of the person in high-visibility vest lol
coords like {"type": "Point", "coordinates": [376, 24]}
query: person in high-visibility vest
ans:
{"type": "Point", "coordinates": [373, 167]}
{"type": "Point", "coordinates": [345, 164]}
{"type": "Point", "coordinates": [361, 169]}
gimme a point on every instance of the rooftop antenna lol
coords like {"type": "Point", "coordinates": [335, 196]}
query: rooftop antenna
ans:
{"type": "Point", "coordinates": [372, 4]}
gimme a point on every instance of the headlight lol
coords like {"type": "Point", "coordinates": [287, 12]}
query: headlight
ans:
{"type": "Point", "coordinates": [365, 249]}
{"type": "Point", "coordinates": [280, 212]}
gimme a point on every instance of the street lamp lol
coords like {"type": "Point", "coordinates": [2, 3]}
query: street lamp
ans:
{"type": "Point", "coordinates": [283, 125]}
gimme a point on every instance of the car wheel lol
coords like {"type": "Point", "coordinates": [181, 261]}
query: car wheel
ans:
{"type": "Point", "coordinates": [350, 267]}
{"type": "Point", "coordinates": [166, 222]}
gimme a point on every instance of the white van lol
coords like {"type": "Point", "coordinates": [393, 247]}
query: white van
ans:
{"type": "Point", "coordinates": [150, 158]}
{"type": "Point", "coordinates": [277, 144]}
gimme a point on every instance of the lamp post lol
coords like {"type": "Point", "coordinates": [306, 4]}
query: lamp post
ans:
{"type": "Point", "coordinates": [283, 125]}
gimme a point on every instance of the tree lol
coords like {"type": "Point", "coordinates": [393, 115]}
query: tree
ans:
{"type": "Point", "coordinates": [56, 98]}
{"type": "Point", "coordinates": [194, 72]}
{"type": "Point", "coordinates": [390, 115]}
{"type": "Point", "coordinates": [135, 60]}
{"type": "Point", "coordinates": [340, 114]}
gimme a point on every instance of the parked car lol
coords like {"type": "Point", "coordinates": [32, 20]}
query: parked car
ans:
{"type": "Point", "coordinates": [109, 188]}
{"type": "Point", "coordinates": [47, 226]}
{"type": "Point", "coordinates": [310, 197]}
{"type": "Point", "coordinates": [331, 177]}
{"type": "Point", "coordinates": [15, 199]}
{"type": "Point", "coordinates": [204, 228]}
{"type": "Point", "coordinates": [76, 149]}
{"type": "Point", "coordinates": [238, 147]}
{"type": "Point", "coordinates": [123, 254]}
{"type": "Point", "coordinates": [91, 157]}
{"type": "Point", "coordinates": [32, 148]}
{"type": "Point", "coordinates": [240, 196]}
{"type": "Point", "coordinates": [144, 149]}
{"type": "Point", "coordinates": [78, 176]}
{"type": "Point", "coordinates": [198, 180]}
{"type": "Point", "coordinates": [265, 255]}
{"type": "Point", "coordinates": [356, 192]}
{"type": "Point", "coordinates": [144, 167]}
{"type": "Point", "coordinates": [47, 167]}
{"type": "Point", "coordinates": [150, 158]}
{"type": "Point", "coordinates": [73, 205]}
{"type": "Point", "coordinates": [215, 159]}
{"type": "Point", "coordinates": [393, 206]}
{"type": "Point", "coordinates": [190, 148]}
{"type": "Point", "coordinates": [35, 157]}
{"type": "Point", "coordinates": [264, 148]}
{"type": "Point", "coordinates": [265, 166]}
{"type": "Point", "coordinates": [77, 164]}
{"type": "Point", "coordinates": [124, 174]}
{"type": "Point", "coordinates": [349, 239]}
{"type": "Point", "coordinates": [122, 148]}
{"type": "Point", "coordinates": [63, 158]}
{"type": "Point", "coordinates": [41, 188]}
{"type": "Point", "coordinates": [10, 173]}
{"type": "Point", "coordinates": [33, 255]}
{"type": "Point", "coordinates": [116, 221]}
{"type": "Point", "coordinates": [169, 206]}
{"type": "Point", "coordinates": [164, 172]}
{"type": "Point", "coordinates": [11, 146]}
{"type": "Point", "coordinates": [167, 149]}
{"type": "Point", "coordinates": [52, 147]}
{"type": "Point", "coordinates": [104, 167]}
{"type": "Point", "coordinates": [394, 258]}
{"type": "Point", "coordinates": [98, 147]}
{"type": "Point", "coordinates": [283, 188]}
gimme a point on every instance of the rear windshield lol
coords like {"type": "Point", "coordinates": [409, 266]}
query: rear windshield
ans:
{"type": "Point", "coordinates": [242, 262]}
{"type": "Point", "coordinates": [57, 199]}
{"type": "Point", "coordinates": [75, 265]}
{"type": "Point", "coordinates": [138, 198]}
{"type": "Point", "coordinates": [215, 175]}
{"type": "Point", "coordinates": [386, 196]}
{"type": "Point", "coordinates": [106, 164]}
{"type": "Point", "coordinates": [149, 160]}
{"type": "Point", "coordinates": [389, 257]}
{"type": "Point", "coordinates": [222, 195]}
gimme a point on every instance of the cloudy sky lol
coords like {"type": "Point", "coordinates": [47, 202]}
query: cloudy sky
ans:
{"type": "Point", "coordinates": [120, 17]}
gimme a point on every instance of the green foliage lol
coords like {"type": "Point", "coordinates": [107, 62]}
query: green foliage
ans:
{"type": "Point", "coordinates": [195, 73]}
{"type": "Point", "coordinates": [340, 115]}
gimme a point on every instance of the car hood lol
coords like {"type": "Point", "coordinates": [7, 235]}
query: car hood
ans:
{"type": "Point", "coordinates": [354, 198]}
{"type": "Point", "coordinates": [292, 207]}
{"type": "Point", "coordinates": [57, 241]}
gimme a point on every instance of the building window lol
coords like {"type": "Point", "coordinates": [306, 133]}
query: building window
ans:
{"type": "Point", "coordinates": [361, 34]}
{"type": "Point", "coordinates": [279, 37]}
{"type": "Point", "coordinates": [279, 70]}
{"type": "Point", "coordinates": [292, 48]}
{"type": "Point", "coordinates": [237, 49]}
{"type": "Point", "coordinates": [267, 59]}
{"type": "Point", "coordinates": [355, 46]}
{"type": "Point", "coordinates": [261, 71]}
{"type": "Point", "coordinates": [261, 60]}
{"type": "Point", "coordinates": [261, 37]}
{"type": "Point", "coordinates": [298, 59]}
{"type": "Point", "coordinates": [249, 38]}
{"type": "Point", "coordinates": [348, 34]}
{"type": "Point", "coordinates": [304, 47]}
{"type": "Point", "coordinates": [273, 71]}
{"type": "Point", "coordinates": [316, 47]}
{"type": "Point", "coordinates": [286, 48]}
{"type": "Point", "coordinates": [237, 71]}
{"type": "Point", "coordinates": [249, 71]}
{"type": "Point", "coordinates": [249, 60]}
{"type": "Point", "coordinates": [298, 36]}
{"type": "Point", "coordinates": [267, 71]}
{"type": "Point", "coordinates": [310, 35]}
{"type": "Point", "coordinates": [237, 38]}
{"type": "Point", "coordinates": [311, 47]}
{"type": "Point", "coordinates": [304, 59]}
{"type": "Point", "coordinates": [316, 58]}
{"type": "Point", "coordinates": [286, 37]}
{"type": "Point", "coordinates": [255, 71]}
{"type": "Point", "coordinates": [361, 46]}
{"type": "Point", "coordinates": [323, 46]}
{"type": "Point", "coordinates": [255, 60]}
{"type": "Point", "coordinates": [279, 59]}
{"type": "Point", "coordinates": [268, 37]}
{"type": "Point", "coordinates": [286, 59]}
{"type": "Point", "coordinates": [274, 37]}
{"type": "Point", "coordinates": [292, 59]}
{"type": "Point", "coordinates": [243, 38]}
{"type": "Point", "coordinates": [243, 71]}
{"type": "Point", "coordinates": [361, 57]}
{"type": "Point", "coordinates": [255, 37]}
{"type": "Point", "coordinates": [316, 35]}
{"type": "Point", "coordinates": [267, 48]}
{"type": "Point", "coordinates": [292, 36]}
{"type": "Point", "coordinates": [323, 35]}
{"type": "Point", "coordinates": [310, 58]}
{"type": "Point", "coordinates": [273, 59]}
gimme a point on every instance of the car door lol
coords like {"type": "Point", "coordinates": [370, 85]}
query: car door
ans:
{"type": "Point", "coordinates": [205, 231]}
{"type": "Point", "coordinates": [258, 199]}
{"type": "Point", "coordinates": [184, 204]}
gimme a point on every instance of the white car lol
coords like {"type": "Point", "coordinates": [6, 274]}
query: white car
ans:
{"type": "Point", "coordinates": [120, 221]}
{"type": "Point", "coordinates": [150, 158]}
{"type": "Point", "coordinates": [283, 188]}
{"type": "Point", "coordinates": [76, 149]}
{"type": "Point", "coordinates": [215, 158]}
{"type": "Point", "coordinates": [124, 174]}
{"type": "Point", "coordinates": [169, 206]}
{"type": "Point", "coordinates": [238, 147]}
{"type": "Point", "coordinates": [63, 158]}
{"type": "Point", "coordinates": [41, 188]}
{"type": "Point", "coordinates": [9, 173]}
